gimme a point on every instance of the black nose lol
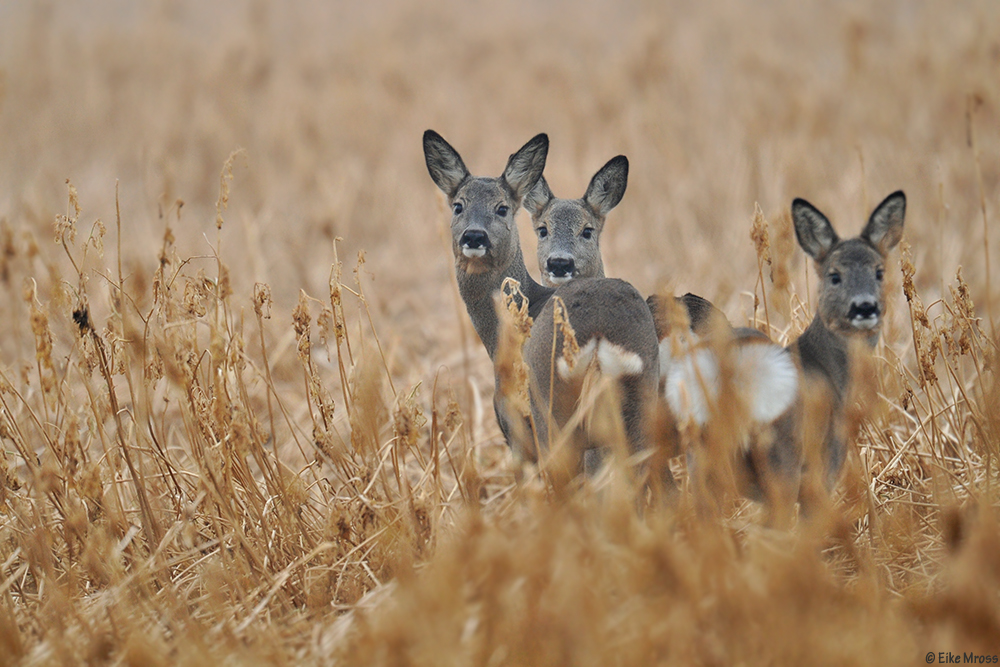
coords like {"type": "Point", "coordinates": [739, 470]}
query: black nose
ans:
{"type": "Point", "coordinates": [863, 310]}
{"type": "Point", "coordinates": [560, 267]}
{"type": "Point", "coordinates": [475, 238]}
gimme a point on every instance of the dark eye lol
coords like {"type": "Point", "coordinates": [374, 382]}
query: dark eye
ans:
{"type": "Point", "coordinates": [834, 278]}
{"type": "Point", "coordinates": [587, 233]}
{"type": "Point", "coordinates": [542, 232]}
{"type": "Point", "coordinates": [502, 211]}
{"type": "Point", "coordinates": [879, 273]}
{"type": "Point", "coordinates": [457, 207]}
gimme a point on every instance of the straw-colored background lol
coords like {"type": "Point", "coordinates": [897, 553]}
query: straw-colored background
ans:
{"type": "Point", "coordinates": [719, 106]}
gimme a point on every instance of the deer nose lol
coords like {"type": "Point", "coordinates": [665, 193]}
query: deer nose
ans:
{"type": "Point", "coordinates": [475, 238]}
{"type": "Point", "coordinates": [560, 267]}
{"type": "Point", "coordinates": [863, 310]}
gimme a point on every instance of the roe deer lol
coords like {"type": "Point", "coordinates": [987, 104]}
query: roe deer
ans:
{"type": "Point", "coordinates": [612, 324]}
{"type": "Point", "coordinates": [765, 376]}
{"type": "Point", "coordinates": [851, 297]}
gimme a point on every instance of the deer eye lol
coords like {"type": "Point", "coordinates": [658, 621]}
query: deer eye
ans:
{"type": "Point", "coordinates": [502, 211]}
{"type": "Point", "coordinates": [879, 273]}
{"type": "Point", "coordinates": [457, 207]}
{"type": "Point", "coordinates": [834, 278]}
{"type": "Point", "coordinates": [587, 232]}
{"type": "Point", "coordinates": [542, 232]}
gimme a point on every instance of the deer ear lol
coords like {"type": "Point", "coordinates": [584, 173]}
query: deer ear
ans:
{"type": "Point", "coordinates": [813, 230]}
{"type": "Point", "coordinates": [607, 187]}
{"type": "Point", "coordinates": [885, 226]}
{"type": "Point", "coordinates": [525, 167]}
{"type": "Point", "coordinates": [444, 163]}
{"type": "Point", "coordinates": [539, 197]}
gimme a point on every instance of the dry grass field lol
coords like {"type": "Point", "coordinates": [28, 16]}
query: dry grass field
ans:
{"type": "Point", "coordinates": [245, 419]}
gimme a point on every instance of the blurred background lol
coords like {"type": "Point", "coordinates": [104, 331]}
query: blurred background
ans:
{"type": "Point", "coordinates": [718, 105]}
{"type": "Point", "coordinates": [277, 494]}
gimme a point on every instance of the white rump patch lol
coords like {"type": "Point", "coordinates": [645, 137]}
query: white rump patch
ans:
{"type": "Point", "coordinates": [473, 252]}
{"type": "Point", "coordinates": [582, 361]}
{"type": "Point", "coordinates": [764, 375]}
{"type": "Point", "coordinates": [666, 352]}
{"type": "Point", "coordinates": [688, 379]}
{"type": "Point", "coordinates": [769, 378]}
{"type": "Point", "coordinates": [616, 361]}
{"type": "Point", "coordinates": [612, 360]}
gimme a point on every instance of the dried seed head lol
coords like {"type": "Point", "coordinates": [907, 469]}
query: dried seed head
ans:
{"type": "Point", "coordinates": [262, 300]}
{"type": "Point", "coordinates": [323, 322]}
{"type": "Point", "coordinates": [408, 420]}
{"type": "Point", "coordinates": [453, 415]}
{"type": "Point", "coordinates": [66, 224]}
{"type": "Point", "coordinates": [561, 325]}
{"type": "Point", "coordinates": [97, 237]}
{"type": "Point", "coordinates": [153, 370]}
{"type": "Point", "coordinates": [6, 426]}
{"type": "Point", "coordinates": [300, 322]}
{"type": "Point", "coordinates": [236, 357]}
{"type": "Point", "coordinates": [329, 446]}
{"type": "Point", "coordinates": [917, 311]}
{"type": "Point", "coordinates": [511, 370]}
{"type": "Point", "coordinates": [906, 265]}
{"type": "Point", "coordinates": [225, 286]}
{"type": "Point", "coordinates": [758, 234]}
{"type": "Point", "coordinates": [927, 351]}
{"type": "Point", "coordinates": [43, 346]}
{"type": "Point", "coordinates": [336, 299]}
{"type": "Point", "coordinates": [224, 180]}
{"type": "Point", "coordinates": [357, 270]}
{"type": "Point", "coordinates": [194, 295]}
{"type": "Point", "coordinates": [516, 305]}
{"type": "Point", "coordinates": [784, 247]}
{"type": "Point", "coordinates": [964, 324]}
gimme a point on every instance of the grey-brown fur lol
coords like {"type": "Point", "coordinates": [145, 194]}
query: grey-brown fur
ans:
{"type": "Point", "coordinates": [569, 230]}
{"type": "Point", "coordinates": [705, 319]}
{"type": "Point", "coordinates": [625, 321]}
{"type": "Point", "coordinates": [851, 303]}
{"type": "Point", "coordinates": [487, 250]}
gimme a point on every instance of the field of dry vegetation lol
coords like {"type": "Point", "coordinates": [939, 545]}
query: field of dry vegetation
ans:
{"type": "Point", "coordinates": [245, 419]}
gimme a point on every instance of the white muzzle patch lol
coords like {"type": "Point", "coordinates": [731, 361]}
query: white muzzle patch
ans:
{"type": "Point", "coordinates": [559, 280]}
{"type": "Point", "coordinates": [473, 252]}
{"type": "Point", "coordinates": [865, 323]}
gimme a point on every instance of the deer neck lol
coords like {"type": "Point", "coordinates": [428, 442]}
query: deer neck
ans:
{"type": "Point", "coordinates": [826, 352]}
{"type": "Point", "coordinates": [477, 290]}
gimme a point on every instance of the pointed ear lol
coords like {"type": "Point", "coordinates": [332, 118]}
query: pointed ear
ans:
{"type": "Point", "coordinates": [525, 167]}
{"type": "Point", "coordinates": [607, 187]}
{"type": "Point", "coordinates": [813, 230]}
{"type": "Point", "coordinates": [885, 227]}
{"type": "Point", "coordinates": [444, 163]}
{"type": "Point", "coordinates": [539, 197]}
